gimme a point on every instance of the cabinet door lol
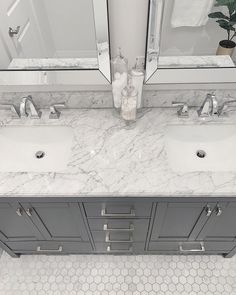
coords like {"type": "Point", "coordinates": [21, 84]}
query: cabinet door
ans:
{"type": "Point", "coordinates": [58, 221]}
{"type": "Point", "coordinates": [15, 225]}
{"type": "Point", "coordinates": [180, 221]}
{"type": "Point", "coordinates": [221, 226]}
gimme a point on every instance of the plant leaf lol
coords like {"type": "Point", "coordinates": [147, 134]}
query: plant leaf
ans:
{"type": "Point", "coordinates": [225, 25]}
{"type": "Point", "coordinates": [233, 18]}
{"type": "Point", "coordinates": [218, 15]}
{"type": "Point", "coordinates": [231, 5]}
{"type": "Point", "coordinates": [224, 2]}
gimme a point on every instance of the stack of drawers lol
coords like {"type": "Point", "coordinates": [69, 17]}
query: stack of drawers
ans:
{"type": "Point", "coordinates": [119, 227]}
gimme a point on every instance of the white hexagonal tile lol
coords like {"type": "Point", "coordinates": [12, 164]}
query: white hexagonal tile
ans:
{"type": "Point", "coordinates": [114, 275]}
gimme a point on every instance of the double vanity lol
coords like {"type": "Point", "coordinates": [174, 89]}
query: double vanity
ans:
{"type": "Point", "coordinates": [88, 183]}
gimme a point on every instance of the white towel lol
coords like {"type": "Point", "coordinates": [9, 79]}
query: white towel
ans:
{"type": "Point", "coordinates": [191, 13]}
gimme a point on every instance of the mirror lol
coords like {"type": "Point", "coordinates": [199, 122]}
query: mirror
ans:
{"type": "Point", "coordinates": [183, 41]}
{"type": "Point", "coordinates": [55, 41]}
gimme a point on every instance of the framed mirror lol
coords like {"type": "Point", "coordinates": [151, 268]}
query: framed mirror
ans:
{"type": "Point", "coordinates": [50, 42]}
{"type": "Point", "coordinates": [183, 41]}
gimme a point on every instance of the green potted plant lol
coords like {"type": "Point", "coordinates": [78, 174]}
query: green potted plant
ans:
{"type": "Point", "coordinates": [226, 22]}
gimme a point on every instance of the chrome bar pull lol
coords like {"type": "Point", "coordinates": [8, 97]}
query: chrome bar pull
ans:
{"type": "Point", "coordinates": [200, 249]}
{"type": "Point", "coordinates": [130, 229]}
{"type": "Point", "coordinates": [108, 240]}
{"type": "Point", "coordinates": [109, 249]}
{"type": "Point", "coordinates": [39, 249]}
{"type": "Point", "coordinates": [104, 213]}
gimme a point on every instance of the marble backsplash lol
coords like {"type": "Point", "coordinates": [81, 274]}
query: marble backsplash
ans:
{"type": "Point", "coordinates": [103, 99]}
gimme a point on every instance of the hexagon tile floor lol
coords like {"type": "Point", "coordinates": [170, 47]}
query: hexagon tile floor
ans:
{"type": "Point", "coordinates": [117, 275]}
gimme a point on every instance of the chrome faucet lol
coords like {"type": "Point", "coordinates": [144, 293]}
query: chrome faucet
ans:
{"type": "Point", "coordinates": [35, 113]}
{"type": "Point", "coordinates": [54, 113]}
{"type": "Point", "coordinates": [183, 110]}
{"type": "Point", "coordinates": [225, 106]}
{"type": "Point", "coordinates": [209, 107]}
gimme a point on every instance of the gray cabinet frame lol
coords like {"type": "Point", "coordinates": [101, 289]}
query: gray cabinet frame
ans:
{"type": "Point", "coordinates": [201, 230]}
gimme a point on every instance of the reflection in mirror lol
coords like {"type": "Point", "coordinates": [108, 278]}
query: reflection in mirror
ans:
{"type": "Point", "coordinates": [54, 35]}
{"type": "Point", "coordinates": [186, 34]}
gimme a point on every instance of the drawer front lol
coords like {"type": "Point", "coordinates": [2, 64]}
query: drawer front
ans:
{"type": "Point", "coordinates": [191, 247]}
{"type": "Point", "coordinates": [120, 248]}
{"type": "Point", "coordinates": [112, 237]}
{"type": "Point", "coordinates": [137, 228]}
{"type": "Point", "coordinates": [118, 210]}
{"type": "Point", "coordinates": [49, 247]}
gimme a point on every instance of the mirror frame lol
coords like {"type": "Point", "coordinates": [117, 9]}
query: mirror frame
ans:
{"type": "Point", "coordinates": [44, 78]}
{"type": "Point", "coordinates": [172, 75]}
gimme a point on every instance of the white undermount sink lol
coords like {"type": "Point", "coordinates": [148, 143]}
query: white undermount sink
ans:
{"type": "Point", "coordinates": [35, 148]}
{"type": "Point", "coordinates": [201, 148]}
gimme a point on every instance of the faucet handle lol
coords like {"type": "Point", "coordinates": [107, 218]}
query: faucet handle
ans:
{"type": "Point", "coordinates": [54, 113]}
{"type": "Point", "coordinates": [12, 107]}
{"type": "Point", "coordinates": [222, 110]}
{"type": "Point", "coordinates": [183, 111]}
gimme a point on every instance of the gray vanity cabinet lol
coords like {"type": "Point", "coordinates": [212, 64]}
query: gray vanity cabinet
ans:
{"type": "Point", "coordinates": [44, 228]}
{"type": "Point", "coordinates": [119, 226]}
{"type": "Point", "coordinates": [15, 224]}
{"type": "Point", "coordinates": [179, 221]}
{"type": "Point", "coordinates": [116, 226]}
{"type": "Point", "coordinates": [58, 221]}
{"type": "Point", "coordinates": [199, 228]}
{"type": "Point", "coordinates": [221, 226]}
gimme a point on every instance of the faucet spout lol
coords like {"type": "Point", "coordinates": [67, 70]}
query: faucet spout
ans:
{"type": "Point", "coordinates": [209, 107]}
{"type": "Point", "coordinates": [34, 111]}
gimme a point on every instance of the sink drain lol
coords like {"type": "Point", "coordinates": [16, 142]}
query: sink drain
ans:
{"type": "Point", "coordinates": [201, 154]}
{"type": "Point", "coordinates": [40, 154]}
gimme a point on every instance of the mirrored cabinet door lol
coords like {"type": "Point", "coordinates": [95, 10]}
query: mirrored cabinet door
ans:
{"type": "Point", "coordinates": [53, 37]}
{"type": "Point", "coordinates": [191, 41]}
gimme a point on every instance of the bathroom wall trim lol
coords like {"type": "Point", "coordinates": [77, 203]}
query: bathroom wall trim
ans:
{"type": "Point", "coordinates": [65, 88]}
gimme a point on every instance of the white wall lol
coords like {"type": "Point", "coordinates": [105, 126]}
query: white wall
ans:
{"type": "Point", "coordinates": [75, 34]}
{"type": "Point", "coordinates": [128, 25]}
{"type": "Point", "coordinates": [45, 32]}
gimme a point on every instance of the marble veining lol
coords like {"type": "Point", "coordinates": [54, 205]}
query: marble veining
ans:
{"type": "Point", "coordinates": [195, 61]}
{"type": "Point", "coordinates": [103, 99]}
{"type": "Point", "coordinates": [54, 63]}
{"type": "Point", "coordinates": [112, 159]}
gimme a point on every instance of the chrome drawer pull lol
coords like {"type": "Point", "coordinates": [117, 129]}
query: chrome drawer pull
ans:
{"type": "Point", "coordinates": [106, 228]}
{"type": "Point", "coordinates": [60, 249]}
{"type": "Point", "coordinates": [114, 215]}
{"type": "Point", "coordinates": [202, 248]}
{"type": "Point", "coordinates": [107, 240]}
{"type": "Point", "coordinates": [119, 251]}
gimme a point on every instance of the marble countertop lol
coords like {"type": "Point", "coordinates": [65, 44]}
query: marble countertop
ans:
{"type": "Point", "coordinates": [110, 159]}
